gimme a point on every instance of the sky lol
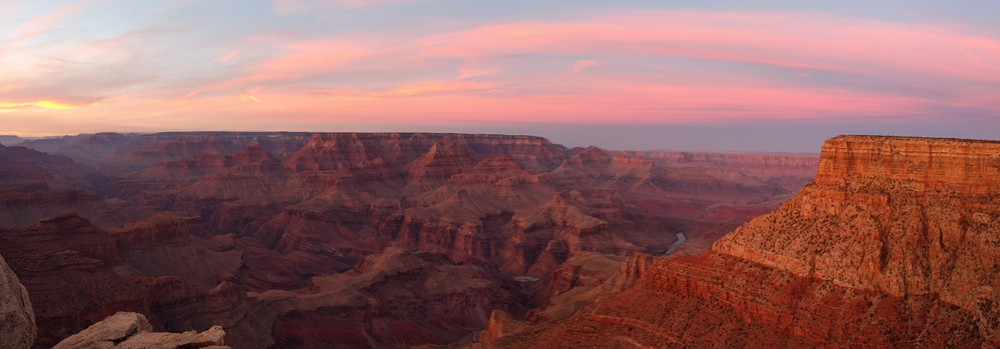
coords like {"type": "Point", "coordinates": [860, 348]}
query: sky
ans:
{"type": "Point", "coordinates": [778, 75]}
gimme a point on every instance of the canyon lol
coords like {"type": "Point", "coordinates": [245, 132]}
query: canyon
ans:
{"type": "Point", "coordinates": [893, 245]}
{"type": "Point", "coordinates": [313, 240]}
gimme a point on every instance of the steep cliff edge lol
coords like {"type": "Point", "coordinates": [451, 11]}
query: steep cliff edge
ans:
{"type": "Point", "coordinates": [904, 216]}
{"type": "Point", "coordinates": [967, 167]}
{"type": "Point", "coordinates": [896, 244]}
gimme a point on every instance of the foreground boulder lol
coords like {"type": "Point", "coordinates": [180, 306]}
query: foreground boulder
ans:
{"type": "Point", "coordinates": [17, 320]}
{"type": "Point", "coordinates": [131, 330]}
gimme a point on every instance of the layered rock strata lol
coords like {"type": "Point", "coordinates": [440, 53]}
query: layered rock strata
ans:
{"type": "Point", "coordinates": [153, 267]}
{"type": "Point", "coordinates": [907, 217]}
{"type": "Point", "coordinates": [66, 255]}
{"type": "Point", "coordinates": [256, 224]}
{"type": "Point", "coordinates": [895, 244]}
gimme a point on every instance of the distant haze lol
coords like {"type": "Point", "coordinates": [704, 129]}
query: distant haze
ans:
{"type": "Point", "coordinates": [736, 75]}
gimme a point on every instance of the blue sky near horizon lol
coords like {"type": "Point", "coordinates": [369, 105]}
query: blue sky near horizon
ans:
{"type": "Point", "coordinates": [729, 75]}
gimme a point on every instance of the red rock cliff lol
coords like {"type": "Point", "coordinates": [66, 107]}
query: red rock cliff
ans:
{"type": "Point", "coordinates": [904, 216]}
{"type": "Point", "coordinates": [895, 244]}
{"type": "Point", "coordinates": [965, 166]}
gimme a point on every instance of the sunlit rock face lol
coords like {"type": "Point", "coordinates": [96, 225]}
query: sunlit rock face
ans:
{"type": "Point", "coordinates": [905, 216]}
{"type": "Point", "coordinates": [895, 244]}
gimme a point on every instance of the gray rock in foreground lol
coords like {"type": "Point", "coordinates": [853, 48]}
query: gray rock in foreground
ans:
{"type": "Point", "coordinates": [17, 320]}
{"type": "Point", "coordinates": [132, 331]}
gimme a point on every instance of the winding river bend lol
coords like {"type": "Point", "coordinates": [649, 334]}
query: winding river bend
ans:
{"type": "Point", "coordinates": [680, 240]}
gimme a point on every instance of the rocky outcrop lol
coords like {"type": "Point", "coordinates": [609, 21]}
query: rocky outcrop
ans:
{"type": "Point", "coordinates": [17, 319]}
{"type": "Point", "coordinates": [446, 158]}
{"type": "Point", "coordinates": [569, 319]}
{"type": "Point", "coordinates": [893, 245]}
{"type": "Point", "coordinates": [132, 331]}
{"type": "Point", "coordinates": [578, 282]}
{"type": "Point", "coordinates": [903, 216]}
{"type": "Point", "coordinates": [108, 332]}
{"type": "Point", "coordinates": [254, 158]}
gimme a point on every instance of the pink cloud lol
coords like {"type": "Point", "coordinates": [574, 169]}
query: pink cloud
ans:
{"type": "Point", "coordinates": [623, 102]}
{"type": "Point", "coordinates": [435, 87]}
{"type": "Point", "coordinates": [800, 41]}
{"type": "Point", "coordinates": [890, 51]}
{"type": "Point", "coordinates": [301, 6]}
{"type": "Point", "coordinates": [37, 26]}
{"type": "Point", "coordinates": [295, 60]}
{"type": "Point", "coordinates": [584, 64]}
{"type": "Point", "coordinates": [467, 72]}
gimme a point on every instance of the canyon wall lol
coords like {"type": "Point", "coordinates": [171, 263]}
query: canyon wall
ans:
{"type": "Point", "coordinates": [247, 230]}
{"type": "Point", "coordinates": [67, 266]}
{"type": "Point", "coordinates": [966, 167]}
{"type": "Point", "coordinates": [900, 215]}
{"type": "Point", "coordinates": [895, 244]}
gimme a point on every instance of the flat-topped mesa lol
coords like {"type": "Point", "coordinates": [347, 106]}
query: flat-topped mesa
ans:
{"type": "Point", "coordinates": [149, 232]}
{"type": "Point", "coordinates": [331, 151]}
{"type": "Point", "coordinates": [965, 166]}
{"type": "Point", "coordinates": [900, 216]}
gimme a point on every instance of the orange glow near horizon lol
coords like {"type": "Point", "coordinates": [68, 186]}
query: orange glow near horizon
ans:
{"type": "Point", "coordinates": [51, 105]}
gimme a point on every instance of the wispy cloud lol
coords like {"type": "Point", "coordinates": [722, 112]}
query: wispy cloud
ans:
{"type": "Point", "coordinates": [430, 87]}
{"type": "Point", "coordinates": [786, 40]}
{"type": "Point", "coordinates": [301, 6]}
{"type": "Point", "coordinates": [52, 105]}
{"type": "Point", "coordinates": [249, 98]}
{"type": "Point", "coordinates": [41, 25]}
{"type": "Point", "coordinates": [584, 64]}
{"type": "Point", "coordinates": [467, 72]}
